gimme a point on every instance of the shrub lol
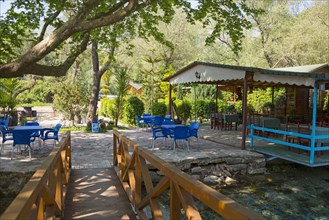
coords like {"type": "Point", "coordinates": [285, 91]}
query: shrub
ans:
{"type": "Point", "coordinates": [183, 108]}
{"type": "Point", "coordinates": [159, 109]}
{"type": "Point", "coordinates": [199, 109]}
{"type": "Point", "coordinates": [238, 106]}
{"type": "Point", "coordinates": [110, 108]}
{"type": "Point", "coordinates": [134, 106]}
{"type": "Point", "coordinates": [102, 107]}
{"type": "Point", "coordinates": [209, 108]}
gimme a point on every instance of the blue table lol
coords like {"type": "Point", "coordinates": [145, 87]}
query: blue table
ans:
{"type": "Point", "coordinates": [170, 128]}
{"type": "Point", "coordinates": [30, 128]}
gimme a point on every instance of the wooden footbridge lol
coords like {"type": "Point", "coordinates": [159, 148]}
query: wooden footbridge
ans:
{"type": "Point", "coordinates": [124, 191]}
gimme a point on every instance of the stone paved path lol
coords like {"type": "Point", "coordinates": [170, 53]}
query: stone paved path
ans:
{"type": "Point", "coordinates": [92, 150]}
{"type": "Point", "coordinates": [89, 150]}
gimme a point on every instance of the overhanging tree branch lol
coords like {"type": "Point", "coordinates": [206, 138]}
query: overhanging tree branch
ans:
{"type": "Point", "coordinates": [60, 70]}
{"type": "Point", "coordinates": [28, 61]}
{"type": "Point", "coordinates": [47, 23]}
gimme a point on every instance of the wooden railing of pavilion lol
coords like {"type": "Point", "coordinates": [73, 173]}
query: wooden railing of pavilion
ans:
{"type": "Point", "coordinates": [43, 196]}
{"type": "Point", "coordinates": [131, 162]}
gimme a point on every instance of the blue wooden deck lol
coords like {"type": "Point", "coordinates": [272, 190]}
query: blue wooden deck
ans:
{"type": "Point", "coordinates": [293, 155]}
{"type": "Point", "coordinates": [312, 156]}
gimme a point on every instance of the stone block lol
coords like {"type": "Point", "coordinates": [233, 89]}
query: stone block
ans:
{"type": "Point", "coordinates": [196, 170]}
{"type": "Point", "coordinates": [211, 179]}
{"type": "Point", "coordinates": [256, 170]}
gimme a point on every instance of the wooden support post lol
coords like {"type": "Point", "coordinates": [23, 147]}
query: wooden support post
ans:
{"type": "Point", "coordinates": [170, 101]}
{"type": "Point", "coordinates": [216, 98]}
{"type": "Point", "coordinates": [244, 108]}
{"type": "Point", "coordinates": [175, 205]}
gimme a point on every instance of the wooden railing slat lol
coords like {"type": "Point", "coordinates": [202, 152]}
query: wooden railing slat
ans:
{"type": "Point", "coordinates": [41, 208]}
{"type": "Point", "coordinates": [155, 192]}
{"type": "Point", "coordinates": [154, 203]}
{"type": "Point", "coordinates": [187, 203]}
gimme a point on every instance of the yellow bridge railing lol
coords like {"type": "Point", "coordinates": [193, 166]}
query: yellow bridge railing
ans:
{"type": "Point", "coordinates": [131, 162]}
{"type": "Point", "coordinates": [43, 196]}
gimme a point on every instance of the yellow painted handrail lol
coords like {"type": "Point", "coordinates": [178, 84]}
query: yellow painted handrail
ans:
{"type": "Point", "coordinates": [42, 196]}
{"type": "Point", "coordinates": [131, 162]}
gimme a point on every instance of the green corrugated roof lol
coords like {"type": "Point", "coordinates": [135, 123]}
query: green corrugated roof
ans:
{"type": "Point", "coordinates": [308, 68]}
{"type": "Point", "coordinates": [302, 71]}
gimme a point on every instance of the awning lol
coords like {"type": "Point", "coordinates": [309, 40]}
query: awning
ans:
{"type": "Point", "coordinates": [201, 72]}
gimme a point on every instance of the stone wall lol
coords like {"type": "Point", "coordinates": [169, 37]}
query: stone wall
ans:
{"type": "Point", "coordinates": [218, 170]}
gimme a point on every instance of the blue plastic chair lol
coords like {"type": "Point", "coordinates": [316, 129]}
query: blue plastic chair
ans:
{"type": "Point", "coordinates": [158, 133]}
{"type": "Point", "coordinates": [148, 119]}
{"type": "Point", "coordinates": [140, 121]}
{"type": "Point", "coordinates": [34, 123]}
{"type": "Point", "coordinates": [193, 130]}
{"type": "Point", "coordinates": [167, 118]}
{"type": "Point", "coordinates": [157, 121]}
{"type": "Point", "coordinates": [7, 135]}
{"type": "Point", "coordinates": [23, 137]}
{"type": "Point", "coordinates": [5, 122]}
{"type": "Point", "coordinates": [50, 133]}
{"type": "Point", "coordinates": [181, 133]}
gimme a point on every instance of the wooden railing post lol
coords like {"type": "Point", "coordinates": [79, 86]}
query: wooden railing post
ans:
{"type": "Point", "coordinates": [175, 205]}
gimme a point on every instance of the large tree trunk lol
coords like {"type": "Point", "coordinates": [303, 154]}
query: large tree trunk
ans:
{"type": "Point", "coordinates": [98, 73]}
{"type": "Point", "coordinates": [92, 108]}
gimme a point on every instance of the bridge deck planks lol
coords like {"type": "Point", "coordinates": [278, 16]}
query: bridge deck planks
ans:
{"type": "Point", "coordinates": [96, 194]}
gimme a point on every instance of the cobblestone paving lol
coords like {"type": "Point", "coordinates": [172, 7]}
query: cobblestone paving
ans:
{"type": "Point", "coordinates": [92, 150]}
{"type": "Point", "coordinates": [89, 150]}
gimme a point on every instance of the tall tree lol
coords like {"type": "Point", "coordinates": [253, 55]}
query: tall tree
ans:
{"type": "Point", "coordinates": [121, 86]}
{"type": "Point", "coordinates": [98, 73]}
{"type": "Point", "coordinates": [85, 16]}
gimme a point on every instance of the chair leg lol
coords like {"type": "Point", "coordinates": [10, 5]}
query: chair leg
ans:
{"type": "Point", "coordinates": [30, 148]}
{"type": "Point", "coordinates": [39, 143]}
{"type": "Point", "coordinates": [153, 144]}
{"type": "Point", "coordinates": [12, 151]}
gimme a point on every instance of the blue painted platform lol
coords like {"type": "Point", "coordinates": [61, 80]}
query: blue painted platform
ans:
{"type": "Point", "coordinates": [293, 155]}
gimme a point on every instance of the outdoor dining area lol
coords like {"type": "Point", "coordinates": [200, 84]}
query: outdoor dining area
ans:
{"type": "Point", "coordinates": [23, 137]}
{"type": "Point", "coordinates": [302, 113]}
{"type": "Point", "coordinates": [164, 128]}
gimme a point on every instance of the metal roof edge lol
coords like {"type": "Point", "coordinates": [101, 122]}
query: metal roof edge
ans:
{"type": "Point", "coordinates": [292, 73]}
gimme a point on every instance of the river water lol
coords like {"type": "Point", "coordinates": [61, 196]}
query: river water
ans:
{"type": "Point", "coordinates": [289, 191]}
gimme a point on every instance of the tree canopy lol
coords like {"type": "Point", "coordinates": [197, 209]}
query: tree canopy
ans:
{"type": "Point", "coordinates": [25, 43]}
